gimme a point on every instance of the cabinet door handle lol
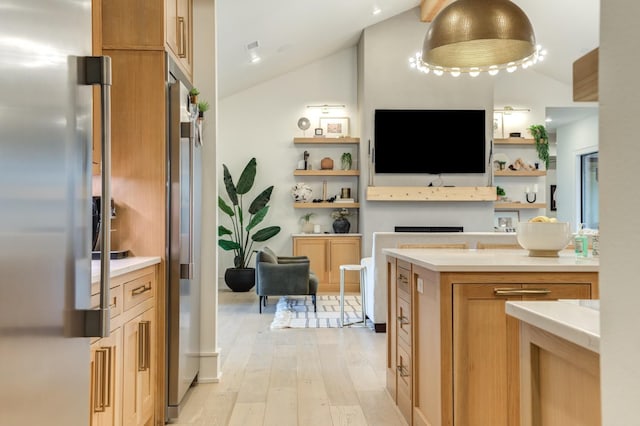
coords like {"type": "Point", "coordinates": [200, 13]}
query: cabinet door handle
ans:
{"type": "Point", "coordinates": [182, 43]}
{"type": "Point", "coordinates": [520, 291]}
{"type": "Point", "coordinates": [143, 345]}
{"type": "Point", "coordinates": [139, 290]}
{"type": "Point", "coordinates": [402, 370]}
{"type": "Point", "coordinates": [403, 320]}
{"type": "Point", "coordinates": [114, 303]}
{"type": "Point", "coordinates": [99, 403]}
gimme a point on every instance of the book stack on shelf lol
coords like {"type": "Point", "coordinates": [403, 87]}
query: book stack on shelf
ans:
{"type": "Point", "coordinates": [344, 200]}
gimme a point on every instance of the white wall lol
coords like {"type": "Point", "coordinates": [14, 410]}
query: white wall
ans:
{"type": "Point", "coordinates": [205, 80]}
{"type": "Point", "coordinates": [619, 206]}
{"type": "Point", "coordinates": [262, 121]}
{"type": "Point", "coordinates": [573, 140]}
{"type": "Point", "coordinates": [389, 82]}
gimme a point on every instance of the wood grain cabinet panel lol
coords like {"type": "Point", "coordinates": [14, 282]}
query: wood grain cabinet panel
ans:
{"type": "Point", "coordinates": [105, 386]}
{"type": "Point", "coordinates": [326, 254]}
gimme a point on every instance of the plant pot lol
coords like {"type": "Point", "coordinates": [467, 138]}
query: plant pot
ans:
{"type": "Point", "coordinates": [307, 227]}
{"type": "Point", "coordinates": [341, 226]}
{"type": "Point", "coordinates": [240, 279]}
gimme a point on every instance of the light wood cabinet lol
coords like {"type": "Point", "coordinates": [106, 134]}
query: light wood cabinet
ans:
{"type": "Point", "coordinates": [105, 385]}
{"type": "Point", "coordinates": [123, 365]}
{"type": "Point", "coordinates": [138, 370]}
{"type": "Point", "coordinates": [326, 254]}
{"type": "Point", "coordinates": [452, 352]}
{"type": "Point", "coordinates": [560, 381]}
{"type": "Point", "coordinates": [179, 33]}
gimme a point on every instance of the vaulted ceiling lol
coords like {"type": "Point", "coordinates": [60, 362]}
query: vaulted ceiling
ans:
{"type": "Point", "coordinates": [293, 33]}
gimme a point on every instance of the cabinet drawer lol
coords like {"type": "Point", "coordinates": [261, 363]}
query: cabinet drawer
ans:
{"type": "Point", "coordinates": [115, 301]}
{"type": "Point", "coordinates": [403, 319]}
{"type": "Point", "coordinates": [403, 280]}
{"type": "Point", "coordinates": [138, 290]}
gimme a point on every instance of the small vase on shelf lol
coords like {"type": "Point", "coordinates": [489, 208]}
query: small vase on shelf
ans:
{"type": "Point", "coordinates": [341, 226]}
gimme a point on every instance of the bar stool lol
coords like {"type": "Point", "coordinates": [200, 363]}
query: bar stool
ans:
{"type": "Point", "coordinates": [362, 269]}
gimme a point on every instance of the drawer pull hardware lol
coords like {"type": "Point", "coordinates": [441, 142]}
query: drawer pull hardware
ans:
{"type": "Point", "coordinates": [520, 291]}
{"type": "Point", "coordinates": [139, 290]}
{"type": "Point", "coordinates": [403, 320]}
{"type": "Point", "coordinates": [102, 380]}
{"type": "Point", "coordinates": [143, 345]}
{"type": "Point", "coordinates": [402, 370]}
{"type": "Point", "coordinates": [114, 303]}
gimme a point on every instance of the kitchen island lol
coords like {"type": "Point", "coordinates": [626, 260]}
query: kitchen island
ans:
{"type": "Point", "coordinates": [559, 362]}
{"type": "Point", "coordinates": [452, 356]}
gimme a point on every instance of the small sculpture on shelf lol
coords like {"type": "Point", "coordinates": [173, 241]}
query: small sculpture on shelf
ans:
{"type": "Point", "coordinates": [301, 192]}
{"type": "Point", "coordinates": [340, 223]}
{"type": "Point", "coordinates": [520, 164]}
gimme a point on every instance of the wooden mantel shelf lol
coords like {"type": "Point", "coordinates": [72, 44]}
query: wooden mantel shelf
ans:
{"type": "Point", "coordinates": [431, 193]}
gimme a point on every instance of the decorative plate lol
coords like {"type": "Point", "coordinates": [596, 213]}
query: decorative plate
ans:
{"type": "Point", "coordinates": [304, 123]}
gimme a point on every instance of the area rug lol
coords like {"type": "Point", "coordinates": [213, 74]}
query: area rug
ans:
{"type": "Point", "coordinates": [297, 311]}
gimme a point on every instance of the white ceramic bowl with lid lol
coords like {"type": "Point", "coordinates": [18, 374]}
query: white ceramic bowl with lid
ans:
{"type": "Point", "coordinates": [544, 239]}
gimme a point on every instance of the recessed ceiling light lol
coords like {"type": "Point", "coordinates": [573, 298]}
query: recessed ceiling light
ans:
{"type": "Point", "coordinates": [252, 49]}
{"type": "Point", "coordinates": [548, 120]}
{"type": "Point", "coordinates": [376, 10]}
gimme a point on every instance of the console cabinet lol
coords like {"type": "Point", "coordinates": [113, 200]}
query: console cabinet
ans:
{"type": "Point", "coordinates": [452, 353]}
{"type": "Point", "coordinates": [326, 254]}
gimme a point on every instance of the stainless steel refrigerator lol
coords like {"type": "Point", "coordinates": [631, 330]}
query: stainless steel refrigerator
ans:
{"type": "Point", "coordinates": [183, 314]}
{"type": "Point", "coordinates": [45, 210]}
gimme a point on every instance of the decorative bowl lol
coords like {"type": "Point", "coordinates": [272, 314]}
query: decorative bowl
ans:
{"type": "Point", "coordinates": [543, 239]}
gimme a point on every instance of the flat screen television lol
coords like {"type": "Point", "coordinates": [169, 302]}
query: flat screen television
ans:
{"type": "Point", "coordinates": [429, 141]}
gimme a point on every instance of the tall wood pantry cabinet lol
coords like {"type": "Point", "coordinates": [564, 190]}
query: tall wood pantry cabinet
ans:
{"type": "Point", "coordinates": [140, 36]}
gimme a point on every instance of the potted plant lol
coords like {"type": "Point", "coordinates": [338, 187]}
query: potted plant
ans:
{"type": "Point", "coordinates": [340, 223]}
{"type": "Point", "coordinates": [539, 133]}
{"type": "Point", "coordinates": [203, 107]}
{"type": "Point", "coordinates": [346, 160]}
{"type": "Point", "coordinates": [193, 95]}
{"type": "Point", "coordinates": [500, 193]}
{"type": "Point", "coordinates": [240, 240]}
{"type": "Point", "coordinates": [307, 226]}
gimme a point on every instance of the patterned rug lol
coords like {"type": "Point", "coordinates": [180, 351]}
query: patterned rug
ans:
{"type": "Point", "coordinates": [297, 311]}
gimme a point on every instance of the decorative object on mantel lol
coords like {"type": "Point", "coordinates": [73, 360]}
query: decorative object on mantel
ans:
{"type": "Point", "coordinates": [304, 124]}
{"type": "Point", "coordinates": [307, 225]}
{"type": "Point", "coordinates": [241, 239]}
{"type": "Point", "coordinates": [520, 164]}
{"type": "Point", "coordinates": [326, 163]}
{"type": "Point", "coordinates": [346, 160]}
{"type": "Point", "coordinates": [301, 192]}
{"type": "Point", "coordinates": [539, 133]}
{"type": "Point", "coordinates": [340, 223]}
{"type": "Point", "coordinates": [474, 36]}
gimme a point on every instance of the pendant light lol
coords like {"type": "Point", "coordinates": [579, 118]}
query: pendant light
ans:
{"type": "Point", "coordinates": [473, 36]}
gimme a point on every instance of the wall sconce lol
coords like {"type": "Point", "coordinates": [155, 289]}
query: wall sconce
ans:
{"type": "Point", "coordinates": [326, 107]}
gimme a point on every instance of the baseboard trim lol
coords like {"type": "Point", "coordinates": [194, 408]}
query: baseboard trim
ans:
{"type": "Point", "coordinates": [209, 367]}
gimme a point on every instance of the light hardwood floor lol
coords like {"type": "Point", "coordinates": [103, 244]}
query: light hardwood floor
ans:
{"type": "Point", "coordinates": [293, 376]}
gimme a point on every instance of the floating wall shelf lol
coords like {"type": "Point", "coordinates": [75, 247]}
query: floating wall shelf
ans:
{"type": "Point", "coordinates": [514, 141]}
{"type": "Point", "coordinates": [520, 173]}
{"type": "Point", "coordinates": [518, 206]}
{"type": "Point", "coordinates": [428, 193]}
{"type": "Point", "coordinates": [326, 140]}
{"type": "Point", "coordinates": [326, 205]}
{"type": "Point", "coordinates": [326, 172]}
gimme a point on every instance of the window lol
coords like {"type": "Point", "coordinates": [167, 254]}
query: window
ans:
{"type": "Point", "coordinates": [589, 190]}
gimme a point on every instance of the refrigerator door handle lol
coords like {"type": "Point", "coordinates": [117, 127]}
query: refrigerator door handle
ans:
{"type": "Point", "coordinates": [97, 70]}
{"type": "Point", "coordinates": [187, 131]}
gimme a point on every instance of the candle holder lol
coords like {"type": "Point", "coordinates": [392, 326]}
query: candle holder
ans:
{"type": "Point", "coordinates": [532, 194]}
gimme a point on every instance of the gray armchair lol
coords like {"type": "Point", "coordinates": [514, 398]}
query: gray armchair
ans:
{"type": "Point", "coordinates": [283, 276]}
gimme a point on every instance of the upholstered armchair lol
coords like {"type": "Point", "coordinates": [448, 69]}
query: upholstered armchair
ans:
{"type": "Point", "coordinates": [283, 276]}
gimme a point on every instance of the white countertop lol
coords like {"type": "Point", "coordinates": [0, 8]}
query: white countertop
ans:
{"type": "Point", "coordinates": [122, 266]}
{"type": "Point", "coordinates": [577, 321]}
{"type": "Point", "coordinates": [488, 260]}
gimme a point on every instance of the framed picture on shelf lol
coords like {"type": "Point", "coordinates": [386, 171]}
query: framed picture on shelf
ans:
{"type": "Point", "coordinates": [335, 127]}
{"type": "Point", "coordinates": [498, 125]}
{"type": "Point", "coordinates": [506, 220]}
